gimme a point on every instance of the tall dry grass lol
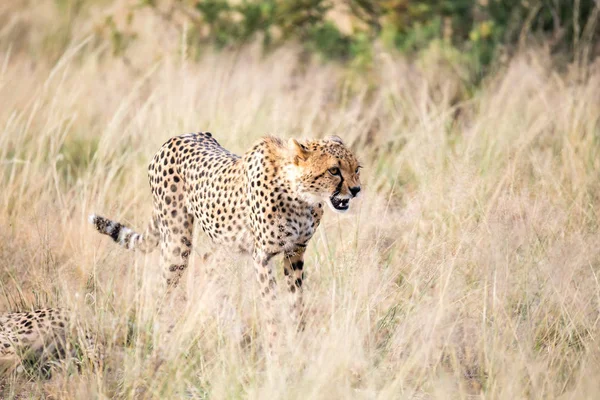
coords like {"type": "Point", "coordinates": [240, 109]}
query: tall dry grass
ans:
{"type": "Point", "coordinates": [468, 268]}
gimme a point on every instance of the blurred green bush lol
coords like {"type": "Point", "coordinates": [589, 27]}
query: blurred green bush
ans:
{"type": "Point", "coordinates": [346, 30]}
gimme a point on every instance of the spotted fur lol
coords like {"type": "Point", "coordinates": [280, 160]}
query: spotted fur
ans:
{"type": "Point", "coordinates": [266, 202]}
{"type": "Point", "coordinates": [41, 336]}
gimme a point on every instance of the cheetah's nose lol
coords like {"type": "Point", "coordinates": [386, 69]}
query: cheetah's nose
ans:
{"type": "Point", "coordinates": [354, 190]}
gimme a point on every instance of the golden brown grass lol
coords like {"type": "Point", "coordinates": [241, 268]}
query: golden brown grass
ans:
{"type": "Point", "coordinates": [468, 268]}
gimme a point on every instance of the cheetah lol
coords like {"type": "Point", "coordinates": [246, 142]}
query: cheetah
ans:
{"type": "Point", "coordinates": [267, 202]}
{"type": "Point", "coordinates": [41, 336]}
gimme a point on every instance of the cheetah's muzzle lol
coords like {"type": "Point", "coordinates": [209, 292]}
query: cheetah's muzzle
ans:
{"type": "Point", "coordinates": [339, 204]}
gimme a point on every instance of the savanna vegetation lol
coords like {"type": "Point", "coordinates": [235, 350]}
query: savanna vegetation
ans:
{"type": "Point", "coordinates": [468, 268]}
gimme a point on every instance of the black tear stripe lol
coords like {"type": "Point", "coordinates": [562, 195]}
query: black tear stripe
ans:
{"type": "Point", "coordinates": [338, 189]}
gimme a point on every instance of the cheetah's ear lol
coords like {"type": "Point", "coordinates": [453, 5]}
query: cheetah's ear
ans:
{"type": "Point", "coordinates": [334, 138]}
{"type": "Point", "coordinates": [298, 150]}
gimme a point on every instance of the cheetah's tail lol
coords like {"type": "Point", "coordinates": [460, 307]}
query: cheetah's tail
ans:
{"type": "Point", "coordinates": [125, 236]}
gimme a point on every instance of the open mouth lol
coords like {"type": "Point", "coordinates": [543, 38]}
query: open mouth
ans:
{"type": "Point", "coordinates": [339, 204]}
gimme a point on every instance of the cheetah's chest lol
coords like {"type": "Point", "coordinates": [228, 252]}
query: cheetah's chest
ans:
{"type": "Point", "coordinates": [283, 231]}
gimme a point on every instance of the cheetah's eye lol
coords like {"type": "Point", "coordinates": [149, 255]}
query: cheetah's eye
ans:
{"type": "Point", "coordinates": [357, 169]}
{"type": "Point", "coordinates": [334, 171]}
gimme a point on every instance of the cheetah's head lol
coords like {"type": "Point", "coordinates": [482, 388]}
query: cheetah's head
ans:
{"type": "Point", "coordinates": [327, 171]}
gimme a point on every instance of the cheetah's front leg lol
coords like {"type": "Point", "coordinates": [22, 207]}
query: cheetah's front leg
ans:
{"type": "Point", "coordinates": [268, 288]}
{"type": "Point", "coordinates": [292, 269]}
